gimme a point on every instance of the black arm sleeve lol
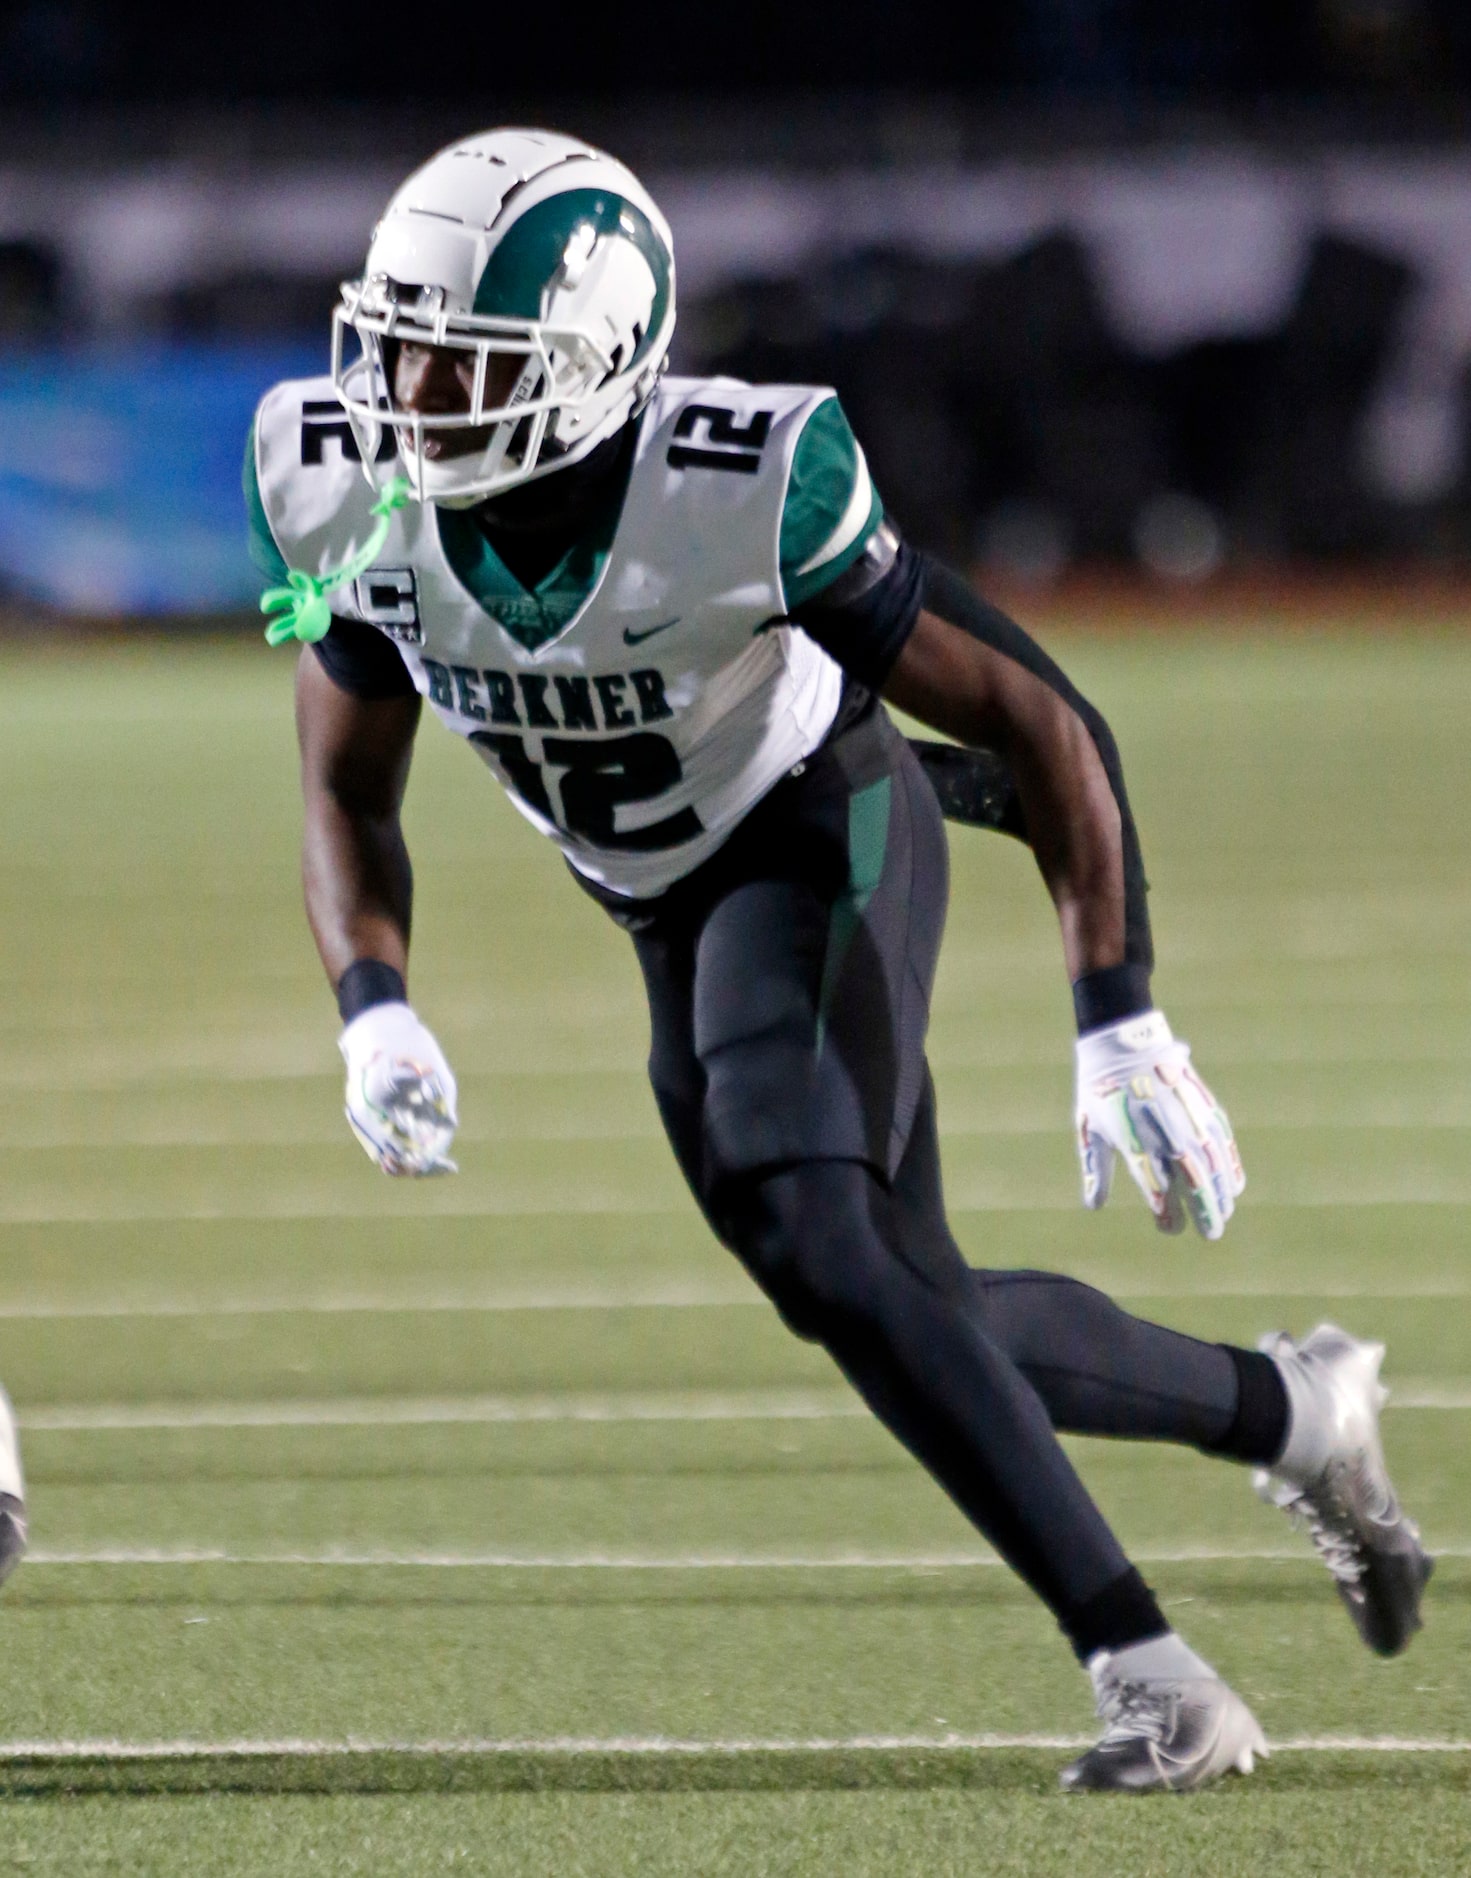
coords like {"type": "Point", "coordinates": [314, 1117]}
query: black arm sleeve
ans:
{"type": "Point", "coordinates": [949, 597]}
{"type": "Point", "coordinates": [863, 620]}
{"type": "Point", "coordinates": [363, 661]}
{"type": "Point", "coordinates": [864, 617]}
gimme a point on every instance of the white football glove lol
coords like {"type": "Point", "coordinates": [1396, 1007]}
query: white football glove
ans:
{"type": "Point", "coordinates": [400, 1091]}
{"type": "Point", "coordinates": [1139, 1097]}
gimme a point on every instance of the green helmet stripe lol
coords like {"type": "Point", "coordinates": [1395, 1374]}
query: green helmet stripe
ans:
{"type": "Point", "coordinates": [524, 262]}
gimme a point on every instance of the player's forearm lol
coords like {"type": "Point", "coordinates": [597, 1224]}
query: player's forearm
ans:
{"type": "Point", "coordinates": [950, 680]}
{"type": "Point", "coordinates": [1076, 836]}
{"type": "Point", "coordinates": [970, 671]}
{"type": "Point", "coordinates": [355, 757]}
{"type": "Point", "coordinates": [1071, 817]}
{"type": "Point", "coordinates": [358, 885]}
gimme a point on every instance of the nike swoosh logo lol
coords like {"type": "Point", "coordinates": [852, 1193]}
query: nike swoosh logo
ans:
{"type": "Point", "coordinates": [631, 638]}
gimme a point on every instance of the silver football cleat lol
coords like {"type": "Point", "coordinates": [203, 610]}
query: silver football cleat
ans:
{"type": "Point", "coordinates": [1332, 1480]}
{"type": "Point", "coordinates": [12, 1534]}
{"type": "Point", "coordinates": [1164, 1734]}
{"type": "Point", "coordinates": [12, 1493]}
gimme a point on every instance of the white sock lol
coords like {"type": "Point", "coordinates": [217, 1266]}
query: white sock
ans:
{"type": "Point", "coordinates": [1161, 1659]}
{"type": "Point", "coordinates": [1309, 1444]}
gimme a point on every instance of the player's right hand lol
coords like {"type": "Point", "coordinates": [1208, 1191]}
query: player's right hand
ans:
{"type": "Point", "coordinates": [1140, 1097]}
{"type": "Point", "coordinates": [400, 1091]}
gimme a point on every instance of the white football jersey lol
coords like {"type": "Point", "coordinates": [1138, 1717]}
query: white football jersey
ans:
{"type": "Point", "coordinates": [645, 695]}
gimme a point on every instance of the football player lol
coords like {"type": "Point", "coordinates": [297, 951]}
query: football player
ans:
{"type": "Point", "coordinates": [665, 612]}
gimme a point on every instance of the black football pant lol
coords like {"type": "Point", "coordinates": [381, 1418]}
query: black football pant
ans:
{"type": "Point", "coordinates": [788, 983]}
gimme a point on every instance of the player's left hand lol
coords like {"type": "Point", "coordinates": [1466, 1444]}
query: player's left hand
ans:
{"type": "Point", "coordinates": [1139, 1097]}
{"type": "Point", "coordinates": [400, 1091]}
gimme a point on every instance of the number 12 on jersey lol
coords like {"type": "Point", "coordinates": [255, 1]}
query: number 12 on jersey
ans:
{"type": "Point", "coordinates": [598, 778]}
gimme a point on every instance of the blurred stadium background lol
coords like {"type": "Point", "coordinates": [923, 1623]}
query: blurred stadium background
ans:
{"type": "Point", "coordinates": [1101, 287]}
{"type": "Point", "coordinates": [1142, 312]}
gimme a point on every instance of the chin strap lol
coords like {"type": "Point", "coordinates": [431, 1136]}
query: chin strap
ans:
{"type": "Point", "coordinates": [302, 603]}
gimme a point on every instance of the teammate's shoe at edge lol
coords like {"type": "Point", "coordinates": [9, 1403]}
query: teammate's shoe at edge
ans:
{"type": "Point", "coordinates": [1332, 1480]}
{"type": "Point", "coordinates": [1170, 1723]}
{"type": "Point", "coordinates": [12, 1493]}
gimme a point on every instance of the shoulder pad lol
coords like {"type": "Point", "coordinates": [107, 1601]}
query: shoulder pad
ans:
{"type": "Point", "coordinates": [312, 487]}
{"type": "Point", "coordinates": [735, 393]}
{"type": "Point", "coordinates": [724, 423]}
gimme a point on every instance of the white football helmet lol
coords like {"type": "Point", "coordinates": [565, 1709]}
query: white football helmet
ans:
{"type": "Point", "coordinates": [519, 242]}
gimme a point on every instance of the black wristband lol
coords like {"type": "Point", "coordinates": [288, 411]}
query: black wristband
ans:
{"type": "Point", "coordinates": [367, 982]}
{"type": "Point", "coordinates": [1111, 995]}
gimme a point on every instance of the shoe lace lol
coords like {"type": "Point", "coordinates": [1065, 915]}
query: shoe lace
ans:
{"type": "Point", "coordinates": [1133, 1711]}
{"type": "Point", "coordinates": [1332, 1532]}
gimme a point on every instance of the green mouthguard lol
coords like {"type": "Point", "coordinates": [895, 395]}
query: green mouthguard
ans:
{"type": "Point", "coordinates": [302, 603]}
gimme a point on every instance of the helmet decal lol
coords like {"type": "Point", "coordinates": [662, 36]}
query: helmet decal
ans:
{"type": "Point", "coordinates": [540, 250]}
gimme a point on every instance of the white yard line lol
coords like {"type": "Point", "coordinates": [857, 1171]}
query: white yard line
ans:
{"type": "Point", "coordinates": [49, 1068]}
{"type": "Point", "coordinates": [653, 1746]}
{"type": "Point", "coordinates": [1431, 1395]}
{"type": "Point", "coordinates": [1321, 1119]}
{"type": "Point", "coordinates": [412, 1411]}
{"type": "Point", "coordinates": [333, 1558]}
{"type": "Point", "coordinates": [1238, 1051]}
{"type": "Point", "coordinates": [479, 1198]}
{"type": "Point", "coordinates": [432, 1411]}
{"type": "Point", "coordinates": [673, 1297]}
{"type": "Point", "coordinates": [657, 1297]}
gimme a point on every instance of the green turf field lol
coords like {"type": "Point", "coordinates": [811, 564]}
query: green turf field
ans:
{"type": "Point", "coordinates": [495, 1525]}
